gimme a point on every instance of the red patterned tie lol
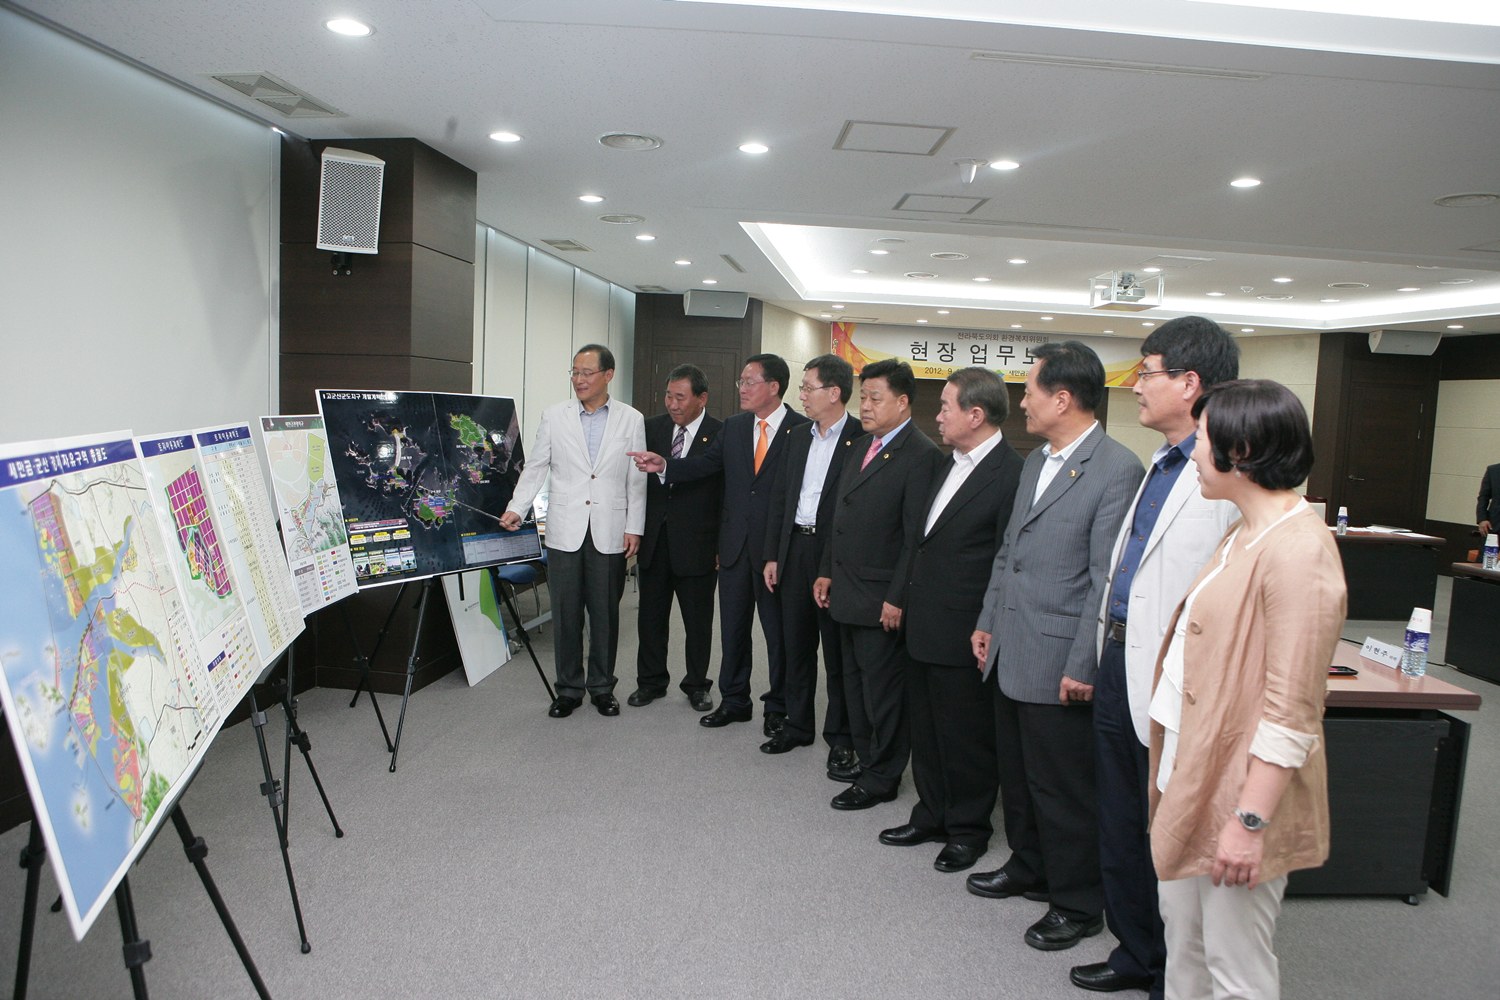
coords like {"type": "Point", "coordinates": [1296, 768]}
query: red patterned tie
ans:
{"type": "Point", "coordinates": [874, 450]}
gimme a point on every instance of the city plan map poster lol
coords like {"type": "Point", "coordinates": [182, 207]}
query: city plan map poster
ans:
{"type": "Point", "coordinates": [424, 478]}
{"type": "Point", "coordinates": [312, 517]}
{"type": "Point", "coordinates": [103, 690]}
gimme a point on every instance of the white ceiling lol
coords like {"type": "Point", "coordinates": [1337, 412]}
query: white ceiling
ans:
{"type": "Point", "coordinates": [1127, 134]}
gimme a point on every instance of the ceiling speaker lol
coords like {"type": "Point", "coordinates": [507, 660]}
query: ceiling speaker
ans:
{"type": "Point", "coordinates": [1403, 342]}
{"type": "Point", "coordinates": [728, 305]}
{"type": "Point", "coordinates": [349, 201]}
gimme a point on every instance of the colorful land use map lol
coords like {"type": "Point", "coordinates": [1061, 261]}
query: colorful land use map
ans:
{"type": "Point", "coordinates": [312, 517]}
{"type": "Point", "coordinates": [107, 696]}
{"type": "Point", "coordinates": [423, 478]}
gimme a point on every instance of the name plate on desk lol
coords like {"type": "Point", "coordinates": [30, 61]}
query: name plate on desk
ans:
{"type": "Point", "coordinates": [1381, 652]}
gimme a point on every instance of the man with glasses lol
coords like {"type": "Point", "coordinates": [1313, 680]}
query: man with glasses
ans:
{"type": "Point", "coordinates": [748, 452]}
{"type": "Point", "coordinates": [595, 516]}
{"type": "Point", "coordinates": [1169, 532]}
{"type": "Point", "coordinates": [801, 513]}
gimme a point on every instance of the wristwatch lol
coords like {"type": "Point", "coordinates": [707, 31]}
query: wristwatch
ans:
{"type": "Point", "coordinates": [1252, 821]}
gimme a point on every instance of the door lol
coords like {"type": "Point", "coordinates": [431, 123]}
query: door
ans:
{"type": "Point", "coordinates": [1388, 456]}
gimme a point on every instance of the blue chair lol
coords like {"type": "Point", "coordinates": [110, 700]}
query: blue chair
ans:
{"type": "Point", "coordinates": [527, 574]}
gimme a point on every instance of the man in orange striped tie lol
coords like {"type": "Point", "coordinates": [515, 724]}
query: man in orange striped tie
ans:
{"type": "Point", "coordinates": [748, 451]}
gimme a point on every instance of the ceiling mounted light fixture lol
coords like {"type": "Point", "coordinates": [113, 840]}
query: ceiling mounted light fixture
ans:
{"type": "Point", "coordinates": [859, 270]}
{"type": "Point", "coordinates": [505, 137]}
{"type": "Point", "coordinates": [684, 262]}
{"type": "Point", "coordinates": [1409, 288]}
{"type": "Point", "coordinates": [630, 142]}
{"type": "Point", "coordinates": [1018, 260]}
{"type": "Point", "coordinates": [644, 237]}
{"type": "Point", "coordinates": [1215, 295]}
{"type": "Point", "coordinates": [943, 312]}
{"type": "Point", "coordinates": [921, 321]}
{"type": "Point", "coordinates": [754, 148]}
{"type": "Point", "coordinates": [623, 220]}
{"type": "Point", "coordinates": [968, 167]}
{"type": "Point", "coordinates": [1003, 165]}
{"type": "Point", "coordinates": [880, 253]}
{"type": "Point", "coordinates": [592, 199]}
{"type": "Point", "coordinates": [1282, 281]}
{"type": "Point", "coordinates": [1245, 183]}
{"type": "Point", "coordinates": [349, 27]}
{"type": "Point", "coordinates": [981, 278]}
{"type": "Point", "coordinates": [710, 281]}
{"type": "Point", "coordinates": [948, 255]}
{"type": "Point", "coordinates": [1455, 326]}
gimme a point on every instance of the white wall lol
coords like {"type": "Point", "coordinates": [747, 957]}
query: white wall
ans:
{"type": "Point", "coordinates": [138, 247]}
{"type": "Point", "coordinates": [1465, 441]}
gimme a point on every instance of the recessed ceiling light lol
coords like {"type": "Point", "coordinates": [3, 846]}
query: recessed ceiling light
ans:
{"type": "Point", "coordinates": [1003, 164]}
{"type": "Point", "coordinates": [1348, 284]}
{"type": "Point", "coordinates": [1330, 300]}
{"type": "Point", "coordinates": [644, 237]}
{"type": "Point", "coordinates": [1247, 329]}
{"type": "Point", "coordinates": [1274, 298]}
{"type": "Point", "coordinates": [630, 142]}
{"type": "Point", "coordinates": [592, 199]}
{"type": "Point", "coordinates": [921, 321]}
{"type": "Point", "coordinates": [1455, 326]}
{"type": "Point", "coordinates": [682, 263]}
{"type": "Point", "coordinates": [1466, 200]}
{"type": "Point", "coordinates": [1015, 326]}
{"type": "Point", "coordinates": [1018, 260]}
{"type": "Point", "coordinates": [623, 220]}
{"type": "Point", "coordinates": [859, 270]}
{"type": "Point", "coordinates": [890, 240]}
{"type": "Point", "coordinates": [1282, 281]}
{"type": "Point", "coordinates": [1109, 331]}
{"type": "Point", "coordinates": [505, 137]}
{"type": "Point", "coordinates": [1457, 281]}
{"type": "Point", "coordinates": [1045, 319]}
{"type": "Point", "coordinates": [1147, 322]}
{"type": "Point", "coordinates": [710, 281]}
{"type": "Point", "coordinates": [981, 278]}
{"type": "Point", "coordinates": [838, 305]}
{"type": "Point", "coordinates": [948, 255]}
{"type": "Point", "coordinates": [1245, 182]}
{"type": "Point", "coordinates": [920, 274]}
{"type": "Point", "coordinates": [349, 26]}
{"type": "Point", "coordinates": [826, 315]}
{"type": "Point", "coordinates": [1409, 288]}
{"type": "Point", "coordinates": [1215, 295]}
{"type": "Point", "coordinates": [942, 312]}
{"type": "Point", "coordinates": [754, 148]}
{"type": "Point", "coordinates": [1151, 270]}
{"type": "Point", "coordinates": [880, 253]}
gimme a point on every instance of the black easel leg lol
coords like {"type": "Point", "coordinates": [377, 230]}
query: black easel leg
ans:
{"type": "Point", "coordinates": [137, 952]}
{"type": "Point", "coordinates": [32, 856]}
{"type": "Point", "coordinates": [295, 736]}
{"type": "Point", "coordinates": [515, 616]}
{"type": "Point", "coordinates": [411, 665]}
{"type": "Point", "coordinates": [272, 791]}
{"type": "Point", "coordinates": [196, 850]}
{"type": "Point", "coordinates": [362, 663]}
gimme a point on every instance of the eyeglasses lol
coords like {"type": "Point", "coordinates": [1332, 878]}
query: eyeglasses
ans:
{"type": "Point", "coordinates": [1142, 374]}
{"type": "Point", "coordinates": [803, 390]}
{"type": "Point", "coordinates": [742, 383]}
{"type": "Point", "coordinates": [581, 373]}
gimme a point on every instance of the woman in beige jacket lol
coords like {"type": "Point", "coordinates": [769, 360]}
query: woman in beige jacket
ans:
{"type": "Point", "coordinates": [1240, 782]}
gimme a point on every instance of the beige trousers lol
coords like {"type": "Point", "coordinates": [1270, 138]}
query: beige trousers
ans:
{"type": "Point", "coordinates": [1219, 939]}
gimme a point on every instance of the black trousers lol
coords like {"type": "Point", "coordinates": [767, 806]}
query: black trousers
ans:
{"type": "Point", "coordinates": [1123, 769]}
{"type": "Point", "coordinates": [743, 593]}
{"type": "Point", "coordinates": [874, 679]}
{"type": "Point", "coordinates": [695, 602]}
{"type": "Point", "coordinates": [803, 625]}
{"type": "Point", "coordinates": [952, 720]}
{"type": "Point", "coordinates": [585, 581]}
{"type": "Point", "coordinates": [1046, 757]}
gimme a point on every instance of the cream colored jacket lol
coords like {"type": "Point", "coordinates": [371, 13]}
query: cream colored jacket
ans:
{"type": "Point", "coordinates": [1258, 644]}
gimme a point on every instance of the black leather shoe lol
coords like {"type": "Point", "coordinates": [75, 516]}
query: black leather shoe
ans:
{"type": "Point", "coordinates": [1100, 978]}
{"type": "Point", "coordinates": [723, 716]}
{"type": "Point", "coordinates": [999, 885]}
{"type": "Point", "coordinates": [855, 797]}
{"type": "Point", "coordinates": [562, 706]}
{"type": "Point", "coordinates": [775, 723]}
{"type": "Point", "coordinates": [907, 835]}
{"type": "Point", "coordinates": [1054, 932]}
{"type": "Point", "coordinates": [607, 704]}
{"type": "Point", "coordinates": [843, 764]}
{"type": "Point", "coordinates": [641, 696]}
{"type": "Point", "coordinates": [781, 743]}
{"type": "Point", "coordinates": [958, 857]}
{"type": "Point", "coordinates": [700, 701]}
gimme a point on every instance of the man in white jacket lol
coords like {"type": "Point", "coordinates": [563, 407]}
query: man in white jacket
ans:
{"type": "Point", "coordinates": [1169, 532]}
{"type": "Point", "coordinates": [596, 513]}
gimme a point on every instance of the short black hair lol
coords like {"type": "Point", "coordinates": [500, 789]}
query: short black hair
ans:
{"type": "Point", "coordinates": [1072, 365]}
{"type": "Point", "coordinates": [1258, 428]}
{"type": "Point", "coordinates": [606, 356]}
{"type": "Point", "coordinates": [1195, 344]}
{"type": "Point", "coordinates": [693, 374]}
{"type": "Point", "coordinates": [897, 375]}
{"type": "Point", "coordinates": [774, 369]}
{"type": "Point", "coordinates": [835, 371]}
{"type": "Point", "coordinates": [981, 387]}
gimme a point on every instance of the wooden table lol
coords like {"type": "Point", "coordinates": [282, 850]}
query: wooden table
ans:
{"type": "Point", "coordinates": [1395, 781]}
{"type": "Point", "coordinates": [1474, 622]}
{"type": "Point", "coordinates": [1389, 573]}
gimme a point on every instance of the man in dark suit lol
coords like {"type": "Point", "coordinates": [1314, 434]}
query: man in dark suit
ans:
{"type": "Point", "coordinates": [679, 546]}
{"type": "Point", "coordinates": [949, 707]}
{"type": "Point", "coordinates": [748, 451]}
{"type": "Point", "coordinates": [877, 517]}
{"type": "Point", "coordinates": [796, 529]}
{"type": "Point", "coordinates": [1487, 514]}
{"type": "Point", "coordinates": [1038, 634]}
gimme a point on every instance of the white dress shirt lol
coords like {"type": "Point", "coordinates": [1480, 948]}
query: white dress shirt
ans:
{"type": "Point", "coordinates": [964, 464]}
{"type": "Point", "coordinates": [819, 456]}
{"type": "Point", "coordinates": [1055, 461]}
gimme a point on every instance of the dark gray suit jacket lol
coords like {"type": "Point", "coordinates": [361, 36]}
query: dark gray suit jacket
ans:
{"type": "Point", "coordinates": [1049, 575]}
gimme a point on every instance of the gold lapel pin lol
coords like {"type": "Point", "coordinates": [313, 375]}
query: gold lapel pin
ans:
{"type": "Point", "coordinates": [704, 439]}
{"type": "Point", "coordinates": [887, 455]}
{"type": "Point", "coordinates": [1072, 473]}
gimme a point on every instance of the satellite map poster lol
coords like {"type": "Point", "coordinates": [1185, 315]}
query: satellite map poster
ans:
{"type": "Point", "coordinates": [105, 697]}
{"type": "Point", "coordinates": [312, 516]}
{"type": "Point", "coordinates": [423, 478]}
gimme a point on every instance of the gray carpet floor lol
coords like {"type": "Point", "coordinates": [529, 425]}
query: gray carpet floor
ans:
{"type": "Point", "coordinates": [513, 855]}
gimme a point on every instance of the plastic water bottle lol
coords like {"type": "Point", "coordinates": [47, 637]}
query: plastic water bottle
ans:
{"type": "Point", "coordinates": [1491, 551]}
{"type": "Point", "coordinates": [1342, 521]}
{"type": "Point", "coordinates": [1418, 635]}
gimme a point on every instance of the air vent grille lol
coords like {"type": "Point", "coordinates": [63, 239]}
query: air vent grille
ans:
{"type": "Point", "coordinates": [278, 95]}
{"type": "Point", "coordinates": [1117, 65]}
{"type": "Point", "coordinates": [734, 264]}
{"type": "Point", "coordinates": [568, 246]}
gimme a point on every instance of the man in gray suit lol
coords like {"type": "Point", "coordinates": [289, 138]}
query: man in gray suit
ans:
{"type": "Point", "coordinates": [1037, 634]}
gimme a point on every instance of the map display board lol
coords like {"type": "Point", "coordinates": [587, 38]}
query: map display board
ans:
{"type": "Point", "coordinates": [242, 507]}
{"type": "Point", "coordinates": [312, 518]}
{"type": "Point", "coordinates": [103, 689]}
{"type": "Point", "coordinates": [198, 560]}
{"type": "Point", "coordinates": [424, 478]}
